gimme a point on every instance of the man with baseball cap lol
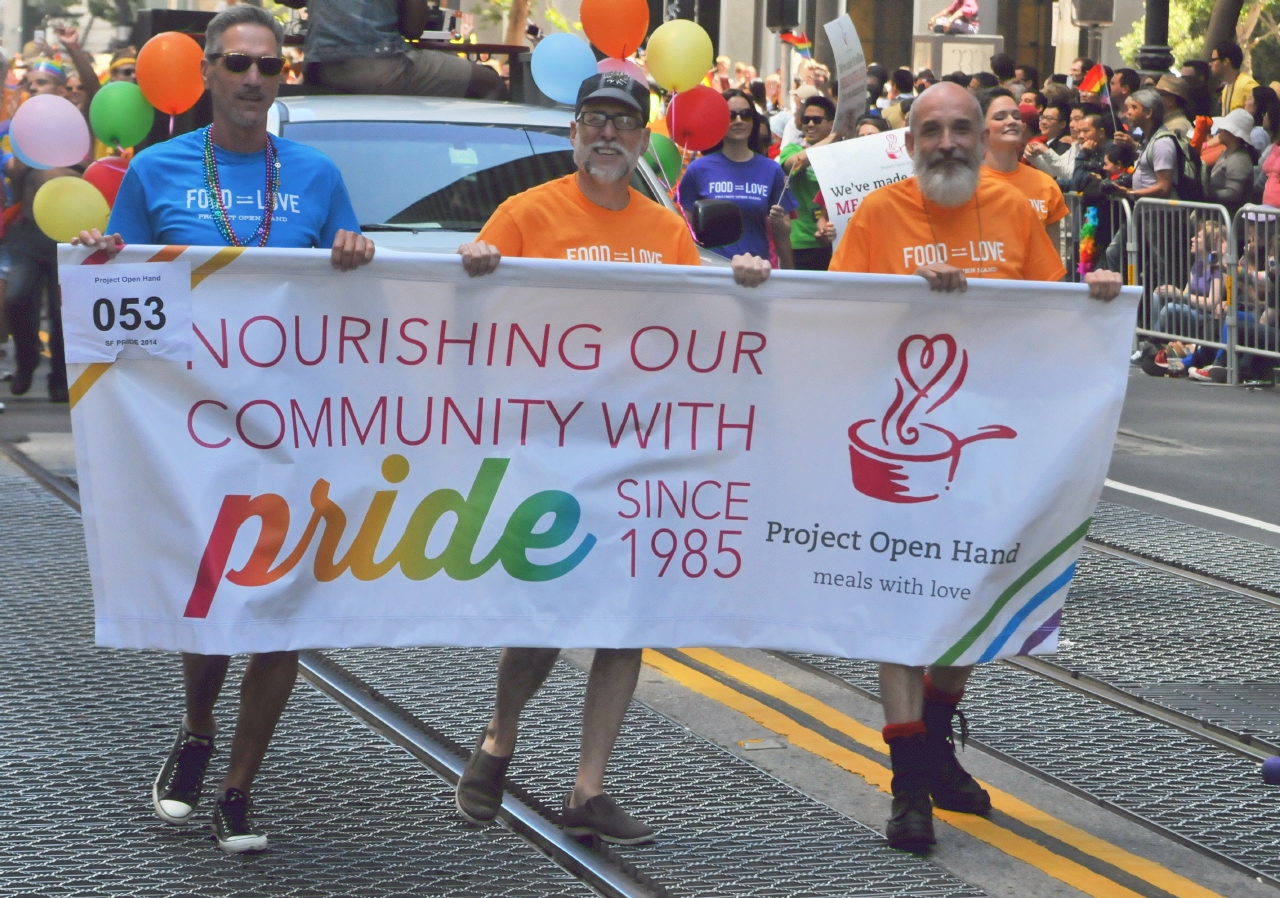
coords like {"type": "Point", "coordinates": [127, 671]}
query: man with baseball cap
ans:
{"type": "Point", "coordinates": [594, 208]}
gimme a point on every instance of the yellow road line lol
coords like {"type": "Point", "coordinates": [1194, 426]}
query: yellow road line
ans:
{"type": "Point", "coordinates": [1159, 876]}
{"type": "Point", "coordinates": [1026, 850]}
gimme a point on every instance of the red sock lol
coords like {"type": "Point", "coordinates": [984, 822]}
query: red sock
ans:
{"type": "Point", "coordinates": [934, 694]}
{"type": "Point", "coordinates": [893, 731]}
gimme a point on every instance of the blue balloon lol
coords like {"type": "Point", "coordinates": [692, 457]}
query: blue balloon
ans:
{"type": "Point", "coordinates": [24, 158]}
{"type": "Point", "coordinates": [561, 62]}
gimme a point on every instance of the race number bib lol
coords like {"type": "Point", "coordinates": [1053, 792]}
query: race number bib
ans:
{"type": "Point", "coordinates": [139, 311]}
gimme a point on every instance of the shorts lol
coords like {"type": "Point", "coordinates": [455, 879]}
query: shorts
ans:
{"type": "Point", "coordinates": [420, 73]}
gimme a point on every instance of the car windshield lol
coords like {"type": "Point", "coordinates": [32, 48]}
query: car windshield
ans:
{"type": "Point", "coordinates": [438, 175]}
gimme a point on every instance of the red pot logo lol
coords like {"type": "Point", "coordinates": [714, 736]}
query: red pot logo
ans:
{"type": "Point", "coordinates": [913, 460]}
{"type": "Point", "coordinates": [894, 146]}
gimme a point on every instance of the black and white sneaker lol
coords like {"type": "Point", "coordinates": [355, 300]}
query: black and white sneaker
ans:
{"type": "Point", "coordinates": [231, 826]}
{"type": "Point", "coordinates": [176, 791]}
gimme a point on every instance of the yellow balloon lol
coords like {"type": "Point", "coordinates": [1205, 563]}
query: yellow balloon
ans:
{"type": "Point", "coordinates": [65, 206]}
{"type": "Point", "coordinates": [679, 54]}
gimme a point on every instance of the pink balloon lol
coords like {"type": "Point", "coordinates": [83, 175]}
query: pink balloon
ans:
{"type": "Point", "coordinates": [51, 131]}
{"type": "Point", "coordinates": [623, 65]}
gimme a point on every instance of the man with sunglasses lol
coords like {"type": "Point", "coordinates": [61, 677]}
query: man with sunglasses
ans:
{"type": "Point", "coordinates": [233, 184]}
{"type": "Point", "coordinates": [591, 215]}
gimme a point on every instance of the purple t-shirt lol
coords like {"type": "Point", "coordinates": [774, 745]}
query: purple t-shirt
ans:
{"type": "Point", "coordinates": [753, 186]}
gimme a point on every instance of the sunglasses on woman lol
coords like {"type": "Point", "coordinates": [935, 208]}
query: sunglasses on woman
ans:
{"type": "Point", "coordinates": [238, 63]}
{"type": "Point", "coordinates": [741, 114]}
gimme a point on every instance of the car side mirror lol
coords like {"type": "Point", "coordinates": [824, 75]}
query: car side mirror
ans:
{"type": "Point", "coordinates": [716, 223]}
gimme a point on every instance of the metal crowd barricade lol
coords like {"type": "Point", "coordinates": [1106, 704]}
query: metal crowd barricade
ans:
{"type": "Point", "coordinates": [1086, 232]}
{"type": "Point", "coordinates": [1185, 256]}
{"type": "Point", "coordinates": [1256, 235]}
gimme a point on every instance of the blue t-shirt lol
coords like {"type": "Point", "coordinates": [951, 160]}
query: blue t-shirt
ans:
{"type": "Point", "coordinates": [753, 186]}
{"type": "Point", "coordinates": [164, 199]}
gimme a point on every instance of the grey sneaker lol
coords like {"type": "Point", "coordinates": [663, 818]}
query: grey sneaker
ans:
{"type": "Point", "coordinates": [231, 826]}
{"type": "Point", "coordinates": [479, 793]}
{"type": "Point", "coordinates": [176, 791]}
{"type": "Point", "coordinates": [602, 817]}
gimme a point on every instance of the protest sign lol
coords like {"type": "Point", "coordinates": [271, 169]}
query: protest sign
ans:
{"type": "Point", "coordinates": [851, 73]}
{"type": "Point", "coordinates": [584, 455]}
{"type": "Point", "coordinates": [850, 169]}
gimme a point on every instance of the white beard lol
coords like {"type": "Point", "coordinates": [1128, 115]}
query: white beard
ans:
{"type": "Point", "coordinates": [618, 171]}
{"type": "Point", "coordinates": [947, 185]}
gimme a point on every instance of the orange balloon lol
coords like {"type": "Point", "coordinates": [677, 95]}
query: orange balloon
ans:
{"type": "Point", "coordinates": [616, 27]}
{"type": "Point", "coordinates": [169, 72]}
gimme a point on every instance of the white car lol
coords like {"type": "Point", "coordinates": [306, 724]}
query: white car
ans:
{"type": "Point", "coordinates": [425, 173]}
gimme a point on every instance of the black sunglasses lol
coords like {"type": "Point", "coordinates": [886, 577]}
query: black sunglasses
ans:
{"type": "Point", "coordinates": [238, 63]}
{"type": "Point", "coordinates": [813, 120]}
{"type": "Point", "coordinates": [742, 114]}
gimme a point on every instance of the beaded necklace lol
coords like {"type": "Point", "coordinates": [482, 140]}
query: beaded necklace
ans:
{"type": "Point", "coordinates": [220, 217]}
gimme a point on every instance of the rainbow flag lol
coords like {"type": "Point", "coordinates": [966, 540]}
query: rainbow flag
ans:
{"type": "Point", "coordinates": [1094, 81]}
{"type": "Point", "coordinates": [802, 44]}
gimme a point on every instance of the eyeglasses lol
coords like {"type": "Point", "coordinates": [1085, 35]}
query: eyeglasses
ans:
{"type": "Point", "coordinates": [238, 63]}
{"type": "Point", "coordinates": [125, 73]}
{"type": "Point", "coordinates": [813, 120]}
{"type": "Point", "coordinates": [623, 121]}
{"type": "Point", "coordinates": [740, 115]}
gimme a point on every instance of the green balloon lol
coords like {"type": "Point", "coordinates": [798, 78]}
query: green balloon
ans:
{"type": "Point", "coordinates": [665, 157]}
{"type": "Point", "coordinates": [120, 114]}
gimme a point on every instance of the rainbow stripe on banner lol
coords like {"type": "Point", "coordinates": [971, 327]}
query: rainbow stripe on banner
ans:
{"type": "Point", "coordinates": [1017, 589]}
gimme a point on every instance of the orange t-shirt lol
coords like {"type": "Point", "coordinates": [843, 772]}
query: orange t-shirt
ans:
{"type": "Point", "coordinates": [556, 221]}
{"type": "Point", "coordinates": [1042, 190]}
{"type": "Point", "coordinates": [995, 235]}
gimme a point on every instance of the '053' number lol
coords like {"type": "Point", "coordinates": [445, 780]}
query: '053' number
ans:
{"type": "Point", "coordinates": [666, 545]}
{"type": "Point", "coordinates": [104, 314]}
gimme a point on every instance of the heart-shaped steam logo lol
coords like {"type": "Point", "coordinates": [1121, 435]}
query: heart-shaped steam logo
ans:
{"type": "Point", "coordinates": [932, 370]}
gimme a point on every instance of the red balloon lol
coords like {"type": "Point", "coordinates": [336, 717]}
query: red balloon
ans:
{"type": "Point", "coordinates": [106, 175]}
{"type": "Point", "coordinates": [616, 27]}
{"type": "Point", "coordinates": [698, 118]}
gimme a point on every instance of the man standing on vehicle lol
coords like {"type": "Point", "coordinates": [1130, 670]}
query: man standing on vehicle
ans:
{"type": "Point", "coordinates": [949, 203]}
{"type": "Point", "coordinates": [360, 47]}
{"type": "Point", "coordinates": [595, 206]}
{"type": "Point", "coordinates": [160, 203]}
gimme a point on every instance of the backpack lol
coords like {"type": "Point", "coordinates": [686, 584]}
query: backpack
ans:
{"type": "Point", "coordinates": [1188, 183]}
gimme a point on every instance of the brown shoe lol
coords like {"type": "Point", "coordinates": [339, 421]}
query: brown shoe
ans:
{"type": "Point", "coordinates": [602, 817]}
{"type": "Point", "coordinates": [479, 792]}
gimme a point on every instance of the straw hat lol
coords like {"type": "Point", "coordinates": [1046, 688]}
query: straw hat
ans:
{"type": "Point", "coordinates": [1172, 84]}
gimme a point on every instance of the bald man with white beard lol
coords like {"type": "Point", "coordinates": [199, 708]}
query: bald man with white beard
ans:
{"type": "Point", "coordinates": [946, 224]}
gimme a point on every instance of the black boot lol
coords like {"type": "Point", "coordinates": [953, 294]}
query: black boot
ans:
{"type": "Point", "coordinates": [951, 786]}
{"type": "Point", "coordinates": [910, 826]}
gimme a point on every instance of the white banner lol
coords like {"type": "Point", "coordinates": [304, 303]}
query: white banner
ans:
{"type": "Point", "coordinates": [850, 169]}
{"type": "Point", "coordinates": [583, 455]}
{"type": "Point", "coordinates": [851, 73]}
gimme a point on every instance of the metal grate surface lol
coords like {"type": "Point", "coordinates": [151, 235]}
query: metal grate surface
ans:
{"type": "Point", "coordinates": [83, 730]}
{"type": "Point", "coordinates": [1217, 555]}
{"type": "Point", "coordinates": [725, 827]}
{"type": "Point", "coordinates": [1202, 651]}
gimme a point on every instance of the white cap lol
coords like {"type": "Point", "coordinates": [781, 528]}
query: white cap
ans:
{"type": "Point", "coordinates": [1237, 122]}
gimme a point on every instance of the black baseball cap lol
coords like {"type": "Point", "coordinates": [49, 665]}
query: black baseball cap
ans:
{"type": "Point", "coordinates": [614, 86]}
